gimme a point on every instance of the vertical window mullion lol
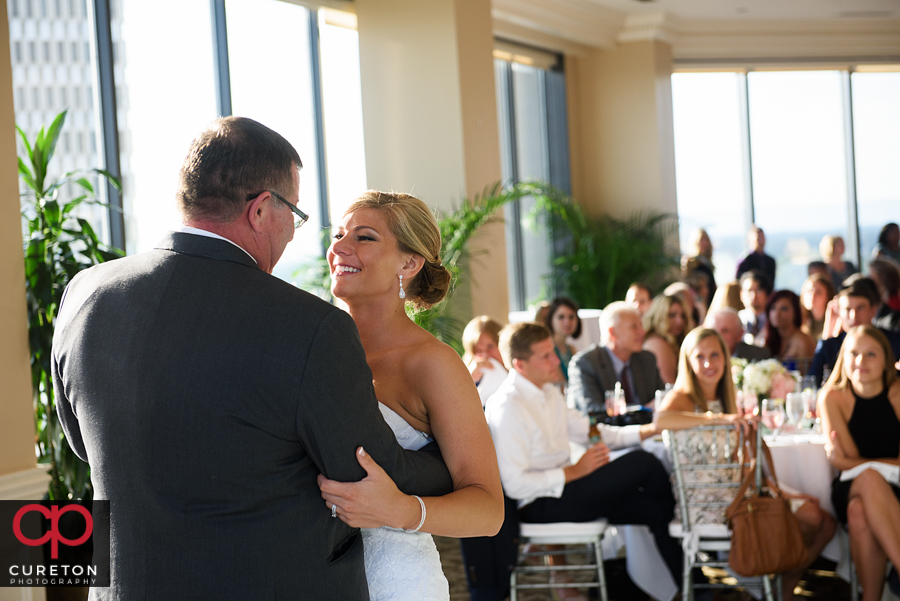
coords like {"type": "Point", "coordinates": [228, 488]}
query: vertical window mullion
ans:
{"type": "Point", "coordinates": [220, 57]}
{"type": "Point", "coordinates": [319, 117]}
{"type": "Point", "coordinates": [853, 243]}
{"type": "Point", "coordinates": [746, 151]}
{"type": "Point", "coordinates": [515, 208]}
{"type": "Point", "coordinates": [107, 117]}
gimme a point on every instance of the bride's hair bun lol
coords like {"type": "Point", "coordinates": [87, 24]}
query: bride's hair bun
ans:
{"type": "Point", "coordinates": [417, 231]}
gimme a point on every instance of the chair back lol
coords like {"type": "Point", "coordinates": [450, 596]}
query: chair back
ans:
{"type": "Point", "coordinates": [708, 465]}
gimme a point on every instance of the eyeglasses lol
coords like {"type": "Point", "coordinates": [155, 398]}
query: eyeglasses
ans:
{"type": "Point", "coordinates": [299, 216]}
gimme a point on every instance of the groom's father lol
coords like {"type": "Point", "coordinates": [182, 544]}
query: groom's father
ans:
{"type": "Point", "coordinates": [207, 395]}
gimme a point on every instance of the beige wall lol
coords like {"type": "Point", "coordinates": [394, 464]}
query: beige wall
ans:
{"type": "Point", "coordinates": [620, 111]}
{"type": "Point", "coordinates": [430, 117]}
{"type": "Point", "coordinates": [16, 417]}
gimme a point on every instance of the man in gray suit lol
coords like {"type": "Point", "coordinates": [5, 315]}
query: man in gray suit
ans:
{"type": "Point", "coordinates": [618, 358]}
{"type": "Point", "coordinates": [728, 324]}
{"type": "Point", "coordinates": [207, 395]}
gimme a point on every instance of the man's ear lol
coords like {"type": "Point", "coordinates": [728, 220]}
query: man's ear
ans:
{"type": "Point", "coordinates": [258, 211]}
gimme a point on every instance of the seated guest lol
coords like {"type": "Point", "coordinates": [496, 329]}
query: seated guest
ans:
{"type": "Point", "coordinates": [699, 261]}
{"type": "Point", "coordinates": [728, 295]}
{"type": "Point", "coordinates": [756, 258]}
{"type": "Point", "coordinates": [562, 320]}
{"type": "Point", "coordinates": [815, 294]}
{"type": "Point", "coordinates": [726, 322]}
{"type": "Point", "coordinates": [481, 340]}
{"type": "Point", "coordinates": [886, 275]}
{"type": "Point", "coordinates": [860, 408]}
{"type": "Point", "coordinates": [782, 334]}
{"type": "Point", "coordinates": [640, 296]}
{"type": "Point", "coordinates": [618, 358]}
{"type": "Point", "coordinates": [699, 284]}
{"type": "Point", "coordinates": [755, 291]}
{"type": "Point", "coordinates": [704, 394]}
{"type": "Point", "coordinates": [666, 323]}
{"type": "Point", "coordinates": [532, 427]}
{"type": "Point", "coordinates": [698, 309]}
{"type": "Point", "coordinates": [857, 305]}
{"type": "Point", "coordinates": [540, 311]}
{"type": "Point", "coordinates": [815, 267]}
{"type": "Point", "coordinates": [888, 246]}
{"type": "Point", "coordinates": [832, 250]}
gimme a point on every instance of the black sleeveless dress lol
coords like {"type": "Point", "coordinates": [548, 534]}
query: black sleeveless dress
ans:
{"type": "Point", "coordinates": [876, 431]}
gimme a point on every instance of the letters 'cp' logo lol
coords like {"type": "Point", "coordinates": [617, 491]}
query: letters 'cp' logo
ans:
{"type": "Point", "coordinates": [53, 535]}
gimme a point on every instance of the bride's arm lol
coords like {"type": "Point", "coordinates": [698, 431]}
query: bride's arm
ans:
{"type": "Point", "coordinates": [475, 508]}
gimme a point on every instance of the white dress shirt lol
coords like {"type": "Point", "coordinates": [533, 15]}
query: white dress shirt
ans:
{"type": "Point", "coordinates": [532, 428]}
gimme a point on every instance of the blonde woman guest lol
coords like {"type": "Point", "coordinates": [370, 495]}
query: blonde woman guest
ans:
{"type": "Point", "coordinates": [782, 334]}
{"type": "Point", "coordinates": [728, 295]}
{"type": "Point", "coordinates": [860, 406]}
{"type": "Point", "coordinates": [481, 340]}
{"type": "Point", "coordinates": [666, 323]}
{"type": "Point", "coordinates": [703, 395]}
{"type": "Point", "coordinates": [815, 295]}
{"type": "Point", "coordinates": [832, 250]}
{"type": "Point", "coordinates": [384, 254]}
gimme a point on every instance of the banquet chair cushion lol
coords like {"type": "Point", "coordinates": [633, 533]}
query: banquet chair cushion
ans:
{"type": "Point", "coordinates": [676, 530]}
{"type": "Point", "coordinates": [568, 529]}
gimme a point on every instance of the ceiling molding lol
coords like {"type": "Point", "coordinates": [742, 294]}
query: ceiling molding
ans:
{"type": "Point", "coordinates": [573, 26]}
{"type": "Point", "coordinates": [800, 39]}
{"type": "Point", "coordinates": [578, 21]}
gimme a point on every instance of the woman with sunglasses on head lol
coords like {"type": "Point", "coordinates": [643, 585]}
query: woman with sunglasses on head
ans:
{"type": "Point", "coordinates": [385, 255]}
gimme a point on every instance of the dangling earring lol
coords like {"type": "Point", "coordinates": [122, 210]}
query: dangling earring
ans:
{"type": "Point", "coordinates": [402, 291]}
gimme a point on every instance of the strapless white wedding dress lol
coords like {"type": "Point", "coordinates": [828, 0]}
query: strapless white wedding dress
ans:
{"type": "Point", "coordinates": [400, 565]}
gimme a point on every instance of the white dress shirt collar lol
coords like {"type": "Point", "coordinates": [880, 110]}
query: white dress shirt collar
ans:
{"type": "Point", "coordinates": [187, 229]}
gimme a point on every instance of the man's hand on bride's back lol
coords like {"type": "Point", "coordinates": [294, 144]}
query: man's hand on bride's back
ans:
{"type": "Point", "coordinates": [372, 502]}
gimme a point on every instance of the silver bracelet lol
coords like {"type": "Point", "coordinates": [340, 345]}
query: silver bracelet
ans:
{"type": "Point", "coordinates": [422, 521]}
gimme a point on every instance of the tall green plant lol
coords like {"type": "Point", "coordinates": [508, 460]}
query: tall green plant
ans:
{"type": "Point", "coordinates": [58, 244]}
{"type": "Point", "coordinates": [600, 258]}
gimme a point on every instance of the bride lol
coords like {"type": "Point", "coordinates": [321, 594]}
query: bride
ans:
{"type": "Point", "coordinates": [385, 254]}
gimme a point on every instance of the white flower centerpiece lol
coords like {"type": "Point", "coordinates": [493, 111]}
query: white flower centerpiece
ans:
{"type": "Point", "coordinates": [764, 379]}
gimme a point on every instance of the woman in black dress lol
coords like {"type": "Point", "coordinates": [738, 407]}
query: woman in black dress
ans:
{"type": "Point", "coordinates": [860, 405]}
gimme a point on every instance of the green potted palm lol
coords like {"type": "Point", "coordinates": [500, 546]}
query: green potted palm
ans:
{"type": "Point", "coordinates": [58, 243]}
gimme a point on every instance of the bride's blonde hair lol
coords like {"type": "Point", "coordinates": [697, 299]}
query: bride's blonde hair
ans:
{"type": "Point", "coordinates": [417, 231]}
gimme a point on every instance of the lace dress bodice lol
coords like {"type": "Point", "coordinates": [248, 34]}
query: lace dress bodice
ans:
{"type": "Point", "coordinates": [401, 565]}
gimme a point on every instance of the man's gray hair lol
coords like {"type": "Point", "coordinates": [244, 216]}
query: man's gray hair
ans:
{"type": "Point", "coordinates": [711, 316]}
{"type": "Point", "coordinates": [611, 317]}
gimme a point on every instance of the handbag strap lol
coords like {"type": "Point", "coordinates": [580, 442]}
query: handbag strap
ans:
{"type": "Point", "coordinates": [750, 476]}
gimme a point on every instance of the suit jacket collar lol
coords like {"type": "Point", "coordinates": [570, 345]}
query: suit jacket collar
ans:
{"type": "Point", "coordinates": [204, 246]}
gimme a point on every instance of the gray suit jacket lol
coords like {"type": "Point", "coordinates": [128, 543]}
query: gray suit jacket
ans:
{"type": "Point", "coordinates": [591, 374]}
{"type": "Point", "coordinates": [751, 352]}
{"type": "Point", "coordinates": [207, 396]}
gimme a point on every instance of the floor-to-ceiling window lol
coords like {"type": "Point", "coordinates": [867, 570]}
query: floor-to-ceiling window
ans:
{"type": "Point", "coordinates": [802, 153]}
{"type": "Point", "coordinates": [533, 146]}
{"type": "Point", "coordinates": [294, 70]}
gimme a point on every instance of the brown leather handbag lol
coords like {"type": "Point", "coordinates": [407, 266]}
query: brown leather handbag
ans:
{"type": "Point", "coordinates": [765, 537]}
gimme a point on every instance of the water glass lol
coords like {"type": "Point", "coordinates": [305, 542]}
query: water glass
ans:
{"type": "Point", "coordinates": [773, 414]}
{"type": "Point", "coordinates": [795, 406]}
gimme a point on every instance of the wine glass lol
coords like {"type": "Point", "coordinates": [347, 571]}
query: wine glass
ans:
{"type": "Point", "coordinates": [795, 406]}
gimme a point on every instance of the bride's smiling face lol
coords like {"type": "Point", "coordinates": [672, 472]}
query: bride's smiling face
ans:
{"type": "Point", "coordinates": [364, 257]}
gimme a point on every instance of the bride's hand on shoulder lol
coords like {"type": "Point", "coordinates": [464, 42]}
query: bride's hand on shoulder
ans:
{"type": "Point", "coordinates": [372, 502]}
